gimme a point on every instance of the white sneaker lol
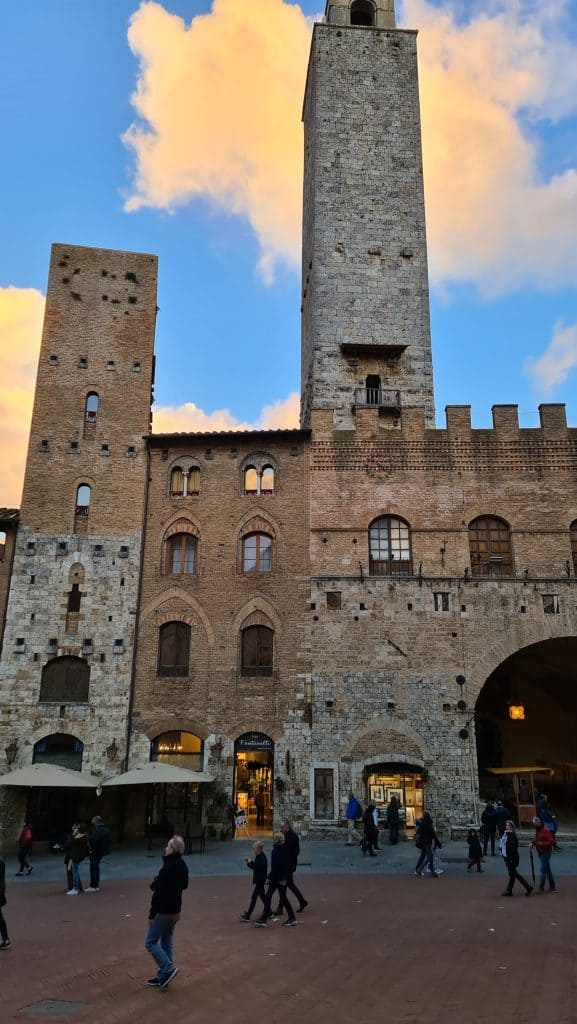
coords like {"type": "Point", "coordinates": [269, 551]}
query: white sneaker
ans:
{"type": "Point", "coordinates": [72, 892]}
{"type": "Point", "coordinates": [90, 889]}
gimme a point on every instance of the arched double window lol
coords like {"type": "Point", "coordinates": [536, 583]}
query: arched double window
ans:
{"type": "Point", "coordinates": [573, 534]}
{"type": "Point", "coordinates": [362, 13]}
{"type": "Point", "coordinates": [65, 681]}
{"type": "Point", "coordinates": [390, 547]}
{"type": "Point", "coordinates": [181, 554]}
{"type": "Point", "coordinates": [184, 481]}
{"type": "Point", "coordinates": [259, 480]}
{"type": "Point", "coordinates": [257, 553]}
{"type": "Point", "coordinates": [256, 650]}
{"type": "Point", "coordinates": [173, 649]}
{"type": "Point", "coordinates": [490, 547]}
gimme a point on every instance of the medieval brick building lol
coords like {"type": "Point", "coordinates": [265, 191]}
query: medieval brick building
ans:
{"type": "Point", "coordinates": [361, 603]}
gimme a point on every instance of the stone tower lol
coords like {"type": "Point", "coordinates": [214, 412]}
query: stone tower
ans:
{"type": "Point", "coordinates": [365, 304]}
{"type": "Point", "coordinates": [67, 656]}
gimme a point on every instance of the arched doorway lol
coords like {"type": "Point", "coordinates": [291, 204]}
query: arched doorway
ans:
{"type": "Point", "coordinates": [253, 780]}
{"type": "Point", "coordinates": [405, 781]}
{"type": "Point", "coordinates": [53, 810]}
{"type": "Point", "coordinates": [526, 719]}
{"type": "Point", "coordinates": [175, 803]}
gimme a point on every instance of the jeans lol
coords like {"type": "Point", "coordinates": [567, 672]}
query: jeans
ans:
{"type": "Point", "coordinates": [159, 941]}
{"type": "Point", "coordinates": [23, 852]}
{"type": "Point", "coordinates": [546, 873]}
{"type": "Point", "coordinates": [76, 883]}
{"type": "Point", "coordinates": [3, 928]}
{"type": "Point", "coordinates": [426, 857]}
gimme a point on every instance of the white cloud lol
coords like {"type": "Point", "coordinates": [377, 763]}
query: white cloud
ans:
{"type": "Point", "coordinates": [21, 313]}
{"type": "Point", "coordinates": [282, 414]}
{"type": "Point", "coordinates": [558, 360]}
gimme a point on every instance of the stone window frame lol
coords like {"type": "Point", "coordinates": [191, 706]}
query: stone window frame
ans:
{"type": "Point", "coordinates": [185, 465]}
{"type": "Point", "coordinates": [324, 766]}
{"type": "Point", "coordinates": [182, 670]}
{"type": "Point", "coordinates": [90, 414]}
{"type": "Point", "coordinates": [259, 462]}
{"type": "Point", "coordinates": [500, 560]}
{"type": "Point", "coordinates": [258, 619]}
{"type": "Point", "coordinates": [366, 7]}
{"type": "Point", "coordinates": [181, 526]}
{"type": "Point", "coordinates": [389, 566]}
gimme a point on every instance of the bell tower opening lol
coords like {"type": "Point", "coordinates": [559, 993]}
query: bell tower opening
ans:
{"type": "Point", "coordinates": [362, 13]}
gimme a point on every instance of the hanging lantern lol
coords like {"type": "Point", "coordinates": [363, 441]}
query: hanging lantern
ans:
{"type": "Point", "coordinates": [517, 712]}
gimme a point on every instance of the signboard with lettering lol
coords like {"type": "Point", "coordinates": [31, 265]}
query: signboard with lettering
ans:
{"type": "Point", "coordinates": [254, 741]}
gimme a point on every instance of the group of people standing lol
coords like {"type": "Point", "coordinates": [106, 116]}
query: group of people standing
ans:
{"type": "Point", "coordinates": [82, 842]}
{"type": "Point", "coordinates": [369, 840]}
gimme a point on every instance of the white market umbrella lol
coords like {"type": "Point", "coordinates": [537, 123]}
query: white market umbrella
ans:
{"type": "Point", "coordinates": [156, 771]}
{"type": "Point", "coordinates": [49, 775]}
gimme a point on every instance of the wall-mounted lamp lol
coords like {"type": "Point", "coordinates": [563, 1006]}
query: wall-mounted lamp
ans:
{"type": "Point", "coordinates": [112, 750]}
{"type": "Point", "coordinates": [517, 712]}
{"type": "Point", "coordinates": [12, 751]}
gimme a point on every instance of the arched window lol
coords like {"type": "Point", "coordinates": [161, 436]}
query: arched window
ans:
{"type": "Point", "coordinates": [174, 649]}
{"type": "Point", "coordinates": [180, 748]}
{"type": "Point", "coordinates": [61, 749]}
{"type": "Point", "coordinates": [256, 553]}
{"type": "Point", "coordinates": [259, 481]}
{"type": "Point", "coordinates": [257, 651]}
{"type": "Point", "coordinates": [91, 409]}
{"type": "Point", "coordinates": [83, 495]}
{"type": "Point", "coordinates": [573, 533]}
{"type": "Point", "coordinates": [65, 681]}
{"type": "Point", "coordinates": [251, 480]}
{"type": "Point", "coordinates": [490, 547]}
{"type": "Point", "coordinates": [389, 547]}
{"type": "Point", "coordinates": [267, 480]}
{"type": "Point", "coordinates": [177, 483]}
{"type": "Point", "coordinates": [181, 553]}
{"type": "Point", "coordinates": [362, 13]}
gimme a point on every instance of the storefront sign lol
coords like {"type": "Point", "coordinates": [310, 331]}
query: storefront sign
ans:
{"type": "Point", "coordinates": [254, 741]}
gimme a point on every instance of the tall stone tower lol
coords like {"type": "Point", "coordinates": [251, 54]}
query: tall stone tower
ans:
{"type": "Point", "coordinates": [65, 675]}
{"type": "Point", "coordinates": [365, 305]}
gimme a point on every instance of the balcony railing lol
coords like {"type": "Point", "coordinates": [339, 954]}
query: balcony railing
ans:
{"type": "Point", "coordinates": [377, 398]}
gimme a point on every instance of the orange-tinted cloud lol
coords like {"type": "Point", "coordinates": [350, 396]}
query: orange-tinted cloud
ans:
{"type": "Point", "coordinates": [282, 414]}
{"type": "Point", "coordinates": [21, 313]}
{"type": "Point", "coordinates": [219, 106]}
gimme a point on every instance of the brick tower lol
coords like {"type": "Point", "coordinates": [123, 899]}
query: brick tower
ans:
{"type": "Point", "coordinates": [67, 657]}
{"type": "Point", "coordinates": [365, 305]}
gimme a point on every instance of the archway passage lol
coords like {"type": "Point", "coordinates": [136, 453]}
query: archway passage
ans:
{"type": "Point", "coordinates": [540, 681]}
{"type": "Point", "coordinates": [53, 810]}
{"type": "Point", "coordinates": [253, 782]}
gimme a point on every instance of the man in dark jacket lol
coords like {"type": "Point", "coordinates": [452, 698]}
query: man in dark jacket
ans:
{"type": "Point", "coordinates": [292, 849]}
{"type": "Point", "coordinates": [259, 872]}
{"type": "Point", "coordinates": [489, 823]}
{"type": "Point", "coordinates": [99, 848]}
{"type": "Point", "coordinates": [167, 889]}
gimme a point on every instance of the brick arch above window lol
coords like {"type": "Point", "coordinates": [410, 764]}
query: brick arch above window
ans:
{"type": "Point", "coordinates": [182, 526]}
{"type": "Point", "coordinates": [257, 618]}
{"type": "Point", "coordinates": [177, 725]}
{"type": "Point", "coordinates": [257, 604]}
{"type": "Point", "coordinates": [189, 610]}
{"type": "Point", "coordinates": [257, 524]}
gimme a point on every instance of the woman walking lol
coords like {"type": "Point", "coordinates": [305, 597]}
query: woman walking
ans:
{"type": "Point", "coordinates": [24, 848]}
{"type": "Point", "coordinates": [427, 842]}
{"type": "Point", "coordinates": [509, 845]}
{"type": "Point", "coordinates": [544, 842]}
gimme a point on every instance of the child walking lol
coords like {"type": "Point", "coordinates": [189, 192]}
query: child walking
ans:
{"type": "Point", "coordinates": [259, 867]}
{"type": "Point", "coordinates": [475, 851]}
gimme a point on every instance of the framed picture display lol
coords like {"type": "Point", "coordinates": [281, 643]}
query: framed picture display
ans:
{"type": "Point", "coordinates": [377, 794]}
{"type": "Point", "coordinates": [411, 817]}
{"type": "Point", "coordinates": [395, 792]}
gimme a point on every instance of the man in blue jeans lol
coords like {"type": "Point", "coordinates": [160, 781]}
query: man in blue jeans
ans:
{"type": "Point", "coordinates": [167, 889]}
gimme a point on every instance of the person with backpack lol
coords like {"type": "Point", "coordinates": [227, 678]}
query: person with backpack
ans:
{"type": "Point", "coordinates": [353, 813]}
{"type": "Point", "coordinates": [99, 848]}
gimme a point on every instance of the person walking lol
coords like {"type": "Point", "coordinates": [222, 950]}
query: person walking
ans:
{"type": "Point", "coordinates": [260, 803]}
{"type": "Point", "coordinates": [353, 812]}
{"type": "Point", "coordinates": [370, 833]}
{"type": "Point", "coordinates": [393, 820]}
{"type": "Point", "coordinates": [292, 850]}
{"type": "Point", "coordinates": [278, 876]}
{"type": "Point", "coordinates": [549, 820]}
{"type": "Point", "coordinates": [99, 848]}
{"type": "Point", "coordinates": [489, 823]}
{"type": "Point", "coordinates": [502, 815]}
{"type": "Point", "coordinates": [78, 850]}
{"type": "Point", "coordinates": [427, 842]}
{"type": "Point", "coordinates": [166, 905]}
{"type": "Point", "coordinates": [544, 842]}
{"type": "Point", "coordinates": [259, 867]}
{"type": "Point", "coordinates": [24, 849]}
{"type": "Point", "coordinates": [509, 845]}
{"type": "Point", "coordinates": [4, 940]}
{"type": "Point", "coordinates": [475, 851]}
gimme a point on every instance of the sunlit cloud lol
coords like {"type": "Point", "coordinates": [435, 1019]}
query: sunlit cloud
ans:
{"type": "Point", "coordinates": [558, 360]}
{"type": "Point", "coordinates": [219, 115]}
{"type": "Point", "coordinates": [219, 103]}
{"type": "Point", "coordinates": [21, 313]}
{"type": "Point", "coordinates": [283, 414]}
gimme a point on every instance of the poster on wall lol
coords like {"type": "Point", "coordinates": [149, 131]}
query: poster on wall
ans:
{"type": "Point", "coordinates": [391, 792]}
{"type": "Point", "coordinates": [377, 794]}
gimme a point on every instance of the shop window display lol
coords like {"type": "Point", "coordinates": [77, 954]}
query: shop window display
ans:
{"type": "Point", "coordinates": [385, 781]}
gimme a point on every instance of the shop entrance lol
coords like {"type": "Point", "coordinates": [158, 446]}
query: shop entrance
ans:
{"type": "Point", "coordinates": [53, 811]}
{"type": "Point", "coordinates": [401, 780]}
{"type": "Point", "coordinates": [177, 803]}
{"type": "Point", "coordinates": [253, 781]}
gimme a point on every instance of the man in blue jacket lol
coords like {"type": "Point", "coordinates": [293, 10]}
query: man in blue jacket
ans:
{"type": "Point", "coordinates": [353, 812]}
{"type": "Point", "coordinates": [167, 889]}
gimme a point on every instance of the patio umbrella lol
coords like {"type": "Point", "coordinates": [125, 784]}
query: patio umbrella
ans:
{"type": "Point", "coordinates": [51, 776]}
{"type": "Point", "coordinates": [156, 771]}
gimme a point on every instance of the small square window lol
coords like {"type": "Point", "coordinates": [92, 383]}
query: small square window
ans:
{"type": "Point", "coordinates": [441, 601]}
{"type": "Point", "coordinates": [53, 360]}
{"type": "Point", "coordinates": [44, 446]}
{"type": "Point", "coordinates": [98, 551]}
{"type": "Point", "coordinates": [33, 579]}
{"type": "Point", "coordinates": [31, 547]}
{"type": "Point", "coordinates": [111, 365]}
{"type": "Point", "coordinates": [105, 450]}
{"type": "Point", "coordinates": [334, 599]}
{"type": "Point", "coordinates": [74, 447]}
{"type": "Point", "coordinates": [83, 363]}
{"type": "Point", "coordinates": [136, 367]}
{"type": "Point", "coordinates": [550, 604]}
{"type": "Point", "coordinates": [124, 550]}
{"type": "Point", "coordinates": [130, 451]}
{"type": "Point", "coordinates": [61, 547]}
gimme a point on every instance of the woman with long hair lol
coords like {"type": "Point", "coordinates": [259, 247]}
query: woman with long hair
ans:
{"type": "Point", "coordinates": [509, 845]}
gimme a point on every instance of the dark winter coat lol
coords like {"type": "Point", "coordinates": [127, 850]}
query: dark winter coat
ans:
{"type": "Point", "coordinates": [168, 886]}
{"type": "Point", "coordinates": [259, 868]}
{"type": "Point", "coordinates": [427, 834]}
{"type": "Point", "coordinates": [475, 851]}
{"type": "Point", "coordinates": [292, 849]}
{"type": "Point", "coordinates": [278, 864]}
{"type": "Point", "coordinates": [489, 818]}
{"type": "Point", "coordinates": [100, 840]}
{"type": "Point", "coordinates": [78, 848]}
{"type": "Point", "coordinates": [512, 850]}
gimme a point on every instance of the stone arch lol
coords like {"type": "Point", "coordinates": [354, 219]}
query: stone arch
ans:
{"type": "Point", "coordinates": [177, 725]}
{"type": "Point", "coordinates": [388, 739]}
{"type": "Point", "coordinates": [178, 615]}
{"type": "Point", "coordinates": [263, 725]}
{"type": "Point", "coordinates": [257, 521]}
{"type": "Point", "coordinates": [503, 648]}
{"type": "Point", "coordinates": [257, 604]}
{"type": "Point", "coordinates": [180, 516]}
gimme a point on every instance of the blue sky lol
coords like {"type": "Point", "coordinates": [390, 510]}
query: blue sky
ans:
{"type": "Point", "coordinates": [503, 252]}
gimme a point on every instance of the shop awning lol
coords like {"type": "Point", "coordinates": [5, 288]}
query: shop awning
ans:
{"type": "Point", "coordinates": [49, 775]}
{"type": "Point", "coordinates": [535, 769]}
{"type": "Point", "coordinates": [156, 771]}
